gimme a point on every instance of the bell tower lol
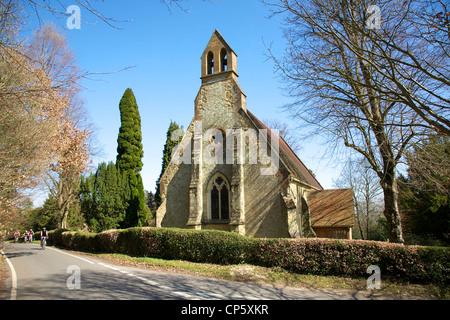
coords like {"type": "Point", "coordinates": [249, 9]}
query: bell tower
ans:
{"type": "Point", "coordinates": [219, 105]}
{"type": "Point", "coordinates": [219, 77]}
{"type": "Point", "coordinates": [219, 61]}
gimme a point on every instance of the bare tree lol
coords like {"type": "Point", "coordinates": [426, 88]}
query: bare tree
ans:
{"type": "Point", "coordinates": [59, 9]}
{"type": "Point", "coordinates": [286, 133]}
{"type": "Point", "coordinates": [409, 44]}
{"type": "Point", "coordinates": [343, 78]}
{"type": "Point", "coordinates": [29, 113]}
{"type": "Point", "coordinates": [419, 55]}
{"type": "Point", "coordinates": [50, 52]}
{"type": "Point", "coordinates": [429, 165]}
{"type": "Point", "coordinates": [367, 193]}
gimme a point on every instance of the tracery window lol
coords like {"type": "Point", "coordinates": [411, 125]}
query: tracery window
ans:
{"type": "Point", "coordinates": [219, 196]}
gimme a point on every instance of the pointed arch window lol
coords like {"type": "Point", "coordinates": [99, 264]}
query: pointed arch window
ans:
{"type": "Point", "coordinates": [210, 62]}
{"type": "Point", "coordinates": [219, 198]}
{"type": "Point", "coordinates": [224, 60]}
{"type": "Point", "coordinates": [218, 143]}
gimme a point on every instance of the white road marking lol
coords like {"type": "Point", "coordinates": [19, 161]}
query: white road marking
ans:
{"type": "Point", "coordinates": [184, 295]}
{"type": "Point", "coordinates": [108, 266]}
{"type": "Point", "coordinates": [13, 278]}
{"type": "Point", "coordinates": [181, 294]}
{"type": "Point", "coordinates": [73, 256]}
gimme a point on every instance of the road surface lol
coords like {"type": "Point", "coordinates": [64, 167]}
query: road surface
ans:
{"type": "Point", "coordinates": [54, 274]}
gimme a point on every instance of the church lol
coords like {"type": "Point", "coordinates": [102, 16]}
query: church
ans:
{"type": "Point", "coordinates": [231, 172]}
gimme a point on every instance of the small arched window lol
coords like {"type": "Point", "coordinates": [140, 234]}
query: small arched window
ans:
{"type": "Point", "coordinates": [218, 143]}
{"type": "Point", "coordinates": [224, 60]}
{"type": "Point", "coordinates": [219, 198]}
{"type": "Point", "coordinates": [210, 62]}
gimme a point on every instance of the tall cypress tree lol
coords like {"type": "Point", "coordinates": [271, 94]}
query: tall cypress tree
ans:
{"type": "Point", "coordinates": [129, 159]}
{"type": "Point", "coordinates": [129, 141]}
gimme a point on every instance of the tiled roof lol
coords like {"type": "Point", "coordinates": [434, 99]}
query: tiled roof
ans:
{"type": "Point", "coordinates": [332, 208]}
{"type": "Point", "coordinates": [289, 158]}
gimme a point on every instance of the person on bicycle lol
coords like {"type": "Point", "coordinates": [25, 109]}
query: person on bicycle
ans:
{"type": "Point", "coordinates": [30, 235]}
{"type": "Point", "coordinates": [16, 236]}
{"type": "Point", "coordinates": [25, 236]}
{"type": "Point", "coordinates": [44, 236]}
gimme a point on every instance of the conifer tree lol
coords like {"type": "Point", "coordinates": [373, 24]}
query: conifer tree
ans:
{"type": "Point", "coordinates": [129, 159]}
{"type": "Point", "coordinates": [102, 197]}
{"type": "Point", "coordinates": [167, 155]}
{"type": "Point", "coordinates": [129, 141]}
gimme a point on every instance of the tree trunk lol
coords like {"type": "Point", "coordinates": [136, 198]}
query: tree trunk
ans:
{"type": "Point", "coordinates": [387, 173]}
{"type": "Point", "coordinates": [391, 212]}
{"type": "Point", "coordinates": [64, 218]}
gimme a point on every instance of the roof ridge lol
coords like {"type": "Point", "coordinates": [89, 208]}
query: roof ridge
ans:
{"type": "Point", "coordinates": [315, 183]}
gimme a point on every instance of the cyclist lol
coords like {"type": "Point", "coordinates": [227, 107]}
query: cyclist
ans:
{"type": "Point", "coordinates": [44, 236]}
{"type": "Point", "coordinates": [16, 236]}
{"type": "Point", "coordinates": [31, 233]}
{"type": "Point", "coordinates": [25, 236]}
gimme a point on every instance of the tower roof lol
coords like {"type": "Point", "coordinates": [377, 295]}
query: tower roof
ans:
{"type": "Point", "coordinates": [218, 59]}
{"type": "Point", "coordinates": [213, 42]}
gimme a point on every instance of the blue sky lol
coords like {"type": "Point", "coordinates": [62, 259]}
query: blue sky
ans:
{"type": "Point", "coordinates": [165, 46]}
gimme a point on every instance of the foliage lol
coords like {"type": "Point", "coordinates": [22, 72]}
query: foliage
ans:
{"type": "Point", "coordinates": [39, 118]}
{"type": "Point", "coordinates": [45, 216]}
{"type": "Point", "coordinates": [429, 164]}
{"type": "Point", "coordinates": [304, 256]}
{"type": "Point", "coordinates": [129, 160]}
{"type": "Point", "coordinates": [172, 139]}
{"type": "Point", "coordinates": [129, 145]}
{"type": "Point", "coordinates": [102, 197]}
{"type": "Point", "coordinates": [424, 193]}
{"type": "Point", "coordinates": [137, 211]}
{"type": "Point", "coordinates": [49, 216]}
{"type": "Point", "coordinates": [151, 201]}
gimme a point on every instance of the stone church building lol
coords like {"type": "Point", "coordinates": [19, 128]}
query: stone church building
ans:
{"type": "Point", "coordinates": [231, 172]}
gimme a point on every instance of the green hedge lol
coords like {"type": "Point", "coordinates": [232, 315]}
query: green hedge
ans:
{"type": "Point", "coordinates": [312, 256]}
{"type": "Point", "coordinates": [353, 257]}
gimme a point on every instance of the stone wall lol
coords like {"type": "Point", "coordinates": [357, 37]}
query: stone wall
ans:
{"type": "Point", "coordinates": [219, 106]}
{"type": "Point", "coordinates": [258, 205]}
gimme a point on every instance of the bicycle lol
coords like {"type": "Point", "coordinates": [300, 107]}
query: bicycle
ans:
{"type": "Point", "coordinates": [43, 243]}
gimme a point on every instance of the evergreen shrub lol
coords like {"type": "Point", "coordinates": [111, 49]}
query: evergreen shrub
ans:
{"type": "Point", "coordinates": [349, 258]}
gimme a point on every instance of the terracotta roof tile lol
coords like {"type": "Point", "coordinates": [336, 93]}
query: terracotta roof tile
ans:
{"type": "Point", "coordinates": [332, 208]}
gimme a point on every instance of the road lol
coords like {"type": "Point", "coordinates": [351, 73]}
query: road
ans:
{"type": "Point", "coordinates": [54, 274]}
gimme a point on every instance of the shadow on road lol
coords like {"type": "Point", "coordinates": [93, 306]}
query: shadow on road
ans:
{"type": "Point", "coordinates": [18, 254]}
{"type": "Point", "coordinates": [93, 286]}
